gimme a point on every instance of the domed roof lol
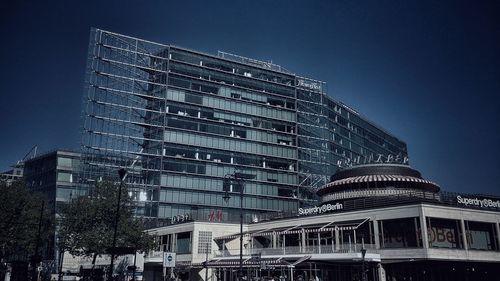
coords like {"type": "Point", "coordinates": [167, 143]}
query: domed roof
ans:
{"type": "Point", "coordinates": [377, 176]}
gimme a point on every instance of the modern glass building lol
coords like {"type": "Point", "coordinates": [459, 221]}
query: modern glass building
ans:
{"type": "Point", "coordinates": [180, 121]}
{"type": "Point", "coordinates": [54, 175]}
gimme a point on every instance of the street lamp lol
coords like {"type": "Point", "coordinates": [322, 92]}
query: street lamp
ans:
{"type": "Point", "coordinates": [239, 177]}
{"type": "Point", "coordinates": [122, 173]}
{"type": "Point", "coordinates": [363, 253]}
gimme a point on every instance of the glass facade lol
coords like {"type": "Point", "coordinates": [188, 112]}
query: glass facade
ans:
{"type": "Point", "coordinates": [54, 174]}
{"type": "Point", "coordinates": [181, 120]}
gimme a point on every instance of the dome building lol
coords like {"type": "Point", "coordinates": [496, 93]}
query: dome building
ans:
{"type": "Point", "coordinates": [378, 184]}
{"type": "Point", "coordinates": [375, 222]}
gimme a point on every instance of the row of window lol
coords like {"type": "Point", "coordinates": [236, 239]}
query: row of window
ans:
{"type": "Point", "coordinates": [228, 79]}
{"type": "Point", "coordinates": [229, 117]}
{"type": "Point", "coordinates": [231, 105]}
{"type": "Point", "coordinates": [221, 171]}
{"type": "Point", "coordinates": [228, 157]}
{"type": "Point", "coordinates": [217, 199]}
{"type": "Point", "coordinates": [204, 141]}
{"type": "Point", "coordinates": [234, 93]}
{"type": "Point", "coordinates": [228, 130]}
{"type": "Point", "coordinates": [226, 66]}
{"type": "Point", "coordinates": [442, 233]}
{"type": "Point", "coordinates": [209, 184]}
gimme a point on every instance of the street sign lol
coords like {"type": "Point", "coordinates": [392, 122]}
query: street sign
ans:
{"type": "Point", "coordinates": [168, 259]}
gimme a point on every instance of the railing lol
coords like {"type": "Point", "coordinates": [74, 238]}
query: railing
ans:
{"type": "Point", "coordinates": [295, 250]}
{"type": "Point", "coordinates": [154, 255]}
{"type": "Point", "coordinates": [441, 198]}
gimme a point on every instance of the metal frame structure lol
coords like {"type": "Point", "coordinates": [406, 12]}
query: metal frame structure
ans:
{"type": "Point", "coordinates": [128, 105]}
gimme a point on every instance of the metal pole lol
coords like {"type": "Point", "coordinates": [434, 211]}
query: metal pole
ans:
{"type": "Point", "coordinates": [121, 173]}
{"type": "Point", "coordinates": [35, 257]}
{"type": "Point", "coordinates": [363, 253]}
{"type": "Point", "coordinates": [241, 231]}
{"type": "Point", "coordinates": [135, 269]}
{"type": "Point", "coordinates": [206, 263]}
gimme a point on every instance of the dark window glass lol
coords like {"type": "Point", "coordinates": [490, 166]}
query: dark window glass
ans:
{"type": "Point", "coordinates": [444, 233]}
{"type": "Point", "coordinates": [481, 236]}
{"type": "Point", "coordinates": [184, 243]}
{"type": "Point", "coordinates": [400, 233]}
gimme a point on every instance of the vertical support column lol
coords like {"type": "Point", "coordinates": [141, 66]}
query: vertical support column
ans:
{"type": "Point", "coordinates": [376, 234]}
{"type": "Point", "coordinates": [497, 228]}
{"type": "Point", "coordinates": [337, 239]}
{"type": "Point", "coordinates": [423, 228]}
{"type": "Point", "coordinates": [303, 239]}
{"type": "Point", "coordinates": [319, 243]}
{"type": "Point", "coordinates": [463, 234]}
{"type": "Point", "coordinates": [355, 243]}
{"type": "Point", "coordinates": [284, 243]}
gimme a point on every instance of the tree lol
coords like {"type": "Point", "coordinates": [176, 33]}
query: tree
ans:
{"type": "Point", "coordinates": [24, 223]}
{"type": "Point", "coordinates": [87, 223]}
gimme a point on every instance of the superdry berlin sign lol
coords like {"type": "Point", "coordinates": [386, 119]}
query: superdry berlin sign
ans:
{"type": "Point", "coordinates": [321, 209]}
{"type": "Point", "coordinates": [478, 202]}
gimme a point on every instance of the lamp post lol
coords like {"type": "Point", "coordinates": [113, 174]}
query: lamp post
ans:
{"type": "Point", "coordinates": [240, 177]}
{"type": "Point", "coordinates": [122, 172]}
{"type": "Point", "coordinates": [363, 253]}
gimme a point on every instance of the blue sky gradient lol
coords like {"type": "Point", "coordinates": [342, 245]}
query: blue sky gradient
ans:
{"type": "Point", "coordinates": [426, 71]}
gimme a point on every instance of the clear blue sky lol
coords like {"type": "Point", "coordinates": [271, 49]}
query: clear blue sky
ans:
{"type": "Point", "coordinates": [427, 71]}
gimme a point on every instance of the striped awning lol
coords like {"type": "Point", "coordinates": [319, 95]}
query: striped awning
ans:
{"type": "Point", "coordinates": [246, 263]}
{"type": "Point", "coordinates": [378, 178]}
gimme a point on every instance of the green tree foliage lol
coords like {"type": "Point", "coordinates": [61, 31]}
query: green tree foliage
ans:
{"type": "Point", "coordinates": [21, 214]}
{"type": "Point", "coordinates": [87, 223]}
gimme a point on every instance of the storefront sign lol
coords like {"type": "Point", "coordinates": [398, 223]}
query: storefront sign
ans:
{"type": "Point", "coordinates": [180, 218]}
{"type": "Point", "coordinates": [373, 159]}
{"type": "Point", "coordinates": [216, 216]}
{"type": "Point", "coordinates": [321, 209]}
{"type": "Point", "coordinates": [478, 202]}
{"type": "Point", "coordinates": [312, 85]}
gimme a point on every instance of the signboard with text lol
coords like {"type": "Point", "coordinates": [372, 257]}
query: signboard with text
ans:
{"type": "Point", "coordinates": [484, 203]}
{"type": "Point", "coordinates": [320, 209]}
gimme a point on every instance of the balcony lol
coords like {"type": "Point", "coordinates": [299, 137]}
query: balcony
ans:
{"type": "Point", "coordinates": [154, 257]}
{"type": "Point", "coordinates": [294, 251]}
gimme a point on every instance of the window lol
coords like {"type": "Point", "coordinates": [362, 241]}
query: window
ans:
{"type": "Point", "coordinates": [66, 177]}
{"type": "Point", "coordinates": [400, 233]}
{"type": "Point", "coordinates": [481, 236]}
{"type": "Point", "coordinates": [183, 243]}
{"type": "Point", "coordinates": [444, 233]}
{"type": "Point", "coordinates": [65, 162]}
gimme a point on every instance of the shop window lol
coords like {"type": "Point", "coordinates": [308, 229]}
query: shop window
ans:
{"type": "Point", "coordinates": [400, 233]}
{"type": "Point", "coordinates": [444, 233]}
{"type": "Point", "coordinates": [481, 236]}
